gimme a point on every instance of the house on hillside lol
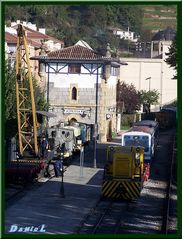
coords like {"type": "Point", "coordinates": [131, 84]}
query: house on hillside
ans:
{"type": "Point", "coordinates": [122, 34]}
{"type": "Point", "coordinates": [36, 39]}
{"type": "Point", "coordinates": [81, 86]}
{"type": "Point", "coordinates": [161, 41]}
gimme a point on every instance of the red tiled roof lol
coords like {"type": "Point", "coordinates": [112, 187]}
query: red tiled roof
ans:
{"type": "Point", "coordinates": [75, 52]}
{"type": "Point", "coordinates": [33, 43]}
{"type": "Point", "coordinates": [10, 38]}
{"type": "Point", "coordinates": [38, 35]}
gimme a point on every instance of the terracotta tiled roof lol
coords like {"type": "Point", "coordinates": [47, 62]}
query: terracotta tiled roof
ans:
{"type": "Point", "coordinates": [33, 43]}
{"type": "Point", "coordinates": [10, 38]}
{"type": "Point", "coordinates": [79, 54]}
{"type": "Point", "coordinates": [75, 52]}
{"type": "Point", "coordinates": [32, 34]}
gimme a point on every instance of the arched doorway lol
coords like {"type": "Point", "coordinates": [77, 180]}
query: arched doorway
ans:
{"type": "Point", "coordinates": [72, 121]}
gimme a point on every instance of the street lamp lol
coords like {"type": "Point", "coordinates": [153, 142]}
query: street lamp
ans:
{"type": "Point", "coordinates": [96, 124]}
{"type": "Point", "coordinates": [62, 175]}
{"type": "Point", "coordinates": [148, 78]}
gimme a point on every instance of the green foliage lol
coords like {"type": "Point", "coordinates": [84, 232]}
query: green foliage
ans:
{"type": "Point", "coordinates": [158, 17]}
{"type": "Point", "coordinates": [10, 99]}
{"type": "Point", "coordinates": [127, 120]}
{"type": "Point", "coordinates": [149, 97]}
{"type": "Point", "coordinates": [172, 56]}
{"type": "Point", "coordinates": [82, 21]}
{"type": "Point", "coordinates": [128, 95]}
{"type": "Point", "coordinates": [10, 92]}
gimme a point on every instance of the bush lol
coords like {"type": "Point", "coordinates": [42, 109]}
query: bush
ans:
{"type": "Point", "coordinates": [127, 120]}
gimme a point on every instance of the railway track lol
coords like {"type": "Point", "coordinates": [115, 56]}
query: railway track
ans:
{"type": "Point", "coordinates": [102, 214]}
{"type": "Point", "coordinates": [166, 216]}
{"type": "Point", "coordinates": [150, 213]}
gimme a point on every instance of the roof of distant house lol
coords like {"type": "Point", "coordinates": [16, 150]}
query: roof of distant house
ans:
{"type": "Point", "coordinates": [167, 34]}
{"type": "Point", "coordinates": [32, 34]}
{"type": "Point", "coordinates": [10, 38]}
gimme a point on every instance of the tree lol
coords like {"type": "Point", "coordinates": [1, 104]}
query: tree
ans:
{"type": "Point", "coordinates": [79, 21]}
{"type": "Point", "coordinates": [10, 115]}
{"type": "Point", "coordinates": [9, 92]}
{"type": "Point", "coordinates": [148, 98]}
{"type": "Point", "coordinates": [10, 110]}
{"type": "Point", "coordinates": [128, 95]}
{"type": "Point", "coordinates": [172, 56]}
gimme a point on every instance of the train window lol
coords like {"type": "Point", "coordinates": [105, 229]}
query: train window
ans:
{"type": "Point", "coordinates": [137, 141]}
{"type": "Point", "coordinates": [126, 137]}
{"type": "Point", "coordinates": [144, 137]}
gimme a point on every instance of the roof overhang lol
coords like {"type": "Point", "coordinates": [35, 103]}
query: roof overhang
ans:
{"type": "Point", "coordinates": [45, 113]}
{"type": "Point", "coordinates": [112, 61]}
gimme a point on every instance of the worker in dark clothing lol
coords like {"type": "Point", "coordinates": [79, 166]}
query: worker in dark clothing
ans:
{"type": "Point", "coordinates": [58, 165]}
{"type": "Point", "coordinates": [44, 147]}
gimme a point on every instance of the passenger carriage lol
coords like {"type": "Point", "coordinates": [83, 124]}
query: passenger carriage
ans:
{"type": "Point", "coordinates": [142, 135]}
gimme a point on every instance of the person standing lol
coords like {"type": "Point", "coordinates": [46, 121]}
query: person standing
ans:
{"type": "Point", "coordinates": [44, 147]}
{"type": "Point", "coordinates": [58, 165]}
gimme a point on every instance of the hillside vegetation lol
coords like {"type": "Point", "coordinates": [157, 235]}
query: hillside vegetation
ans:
{"type": "Point", "coordinates": [91, 22]}
{"type": "Point", "coordinates": [159, 17]}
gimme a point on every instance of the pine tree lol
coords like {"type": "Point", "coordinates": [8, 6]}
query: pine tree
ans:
{"type": "Point", "coordinates": [172, 56]}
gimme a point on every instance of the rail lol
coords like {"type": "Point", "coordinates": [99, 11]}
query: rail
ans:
{"type": "Point", "coordinates": [165, 225]}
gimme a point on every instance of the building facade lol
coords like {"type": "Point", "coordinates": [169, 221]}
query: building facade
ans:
{"type": "Point", "coordinates": [81, 86]}
{"type": "Point", "coordinates": [151, 74]}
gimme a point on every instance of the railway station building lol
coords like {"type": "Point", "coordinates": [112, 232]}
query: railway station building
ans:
{"type": "Point", "coordinates": [80, 85]}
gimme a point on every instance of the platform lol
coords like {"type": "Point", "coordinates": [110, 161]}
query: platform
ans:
{"type": "Point", "coordinates": [44, 207]}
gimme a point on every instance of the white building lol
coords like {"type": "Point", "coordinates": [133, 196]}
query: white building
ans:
{"type": "Point", "coordinates": [126, 35]}
{"type": "Point", "coordinates": [81, 86]}
{"type": "Point", "coordinates": [152, 74]}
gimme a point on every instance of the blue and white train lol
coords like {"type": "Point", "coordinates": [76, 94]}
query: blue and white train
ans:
{"type": "Point", "coordinates": [143, 133]}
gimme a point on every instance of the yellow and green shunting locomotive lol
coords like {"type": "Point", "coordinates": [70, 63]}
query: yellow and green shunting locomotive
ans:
{"type": "Point", "coordinates": [123, 173]}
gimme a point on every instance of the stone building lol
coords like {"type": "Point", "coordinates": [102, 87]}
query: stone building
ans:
{"type": "Point", "coordinates": [80, 86]}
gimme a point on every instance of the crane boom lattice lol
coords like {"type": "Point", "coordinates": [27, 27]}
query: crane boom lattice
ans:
{"type": "Point", "coordinates": [26, 110]}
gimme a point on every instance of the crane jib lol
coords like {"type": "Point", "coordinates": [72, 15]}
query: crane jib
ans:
{"type": "Point", "coordinates": [26, 110]}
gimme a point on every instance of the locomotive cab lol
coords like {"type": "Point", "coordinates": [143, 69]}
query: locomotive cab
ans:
{"type": "Point", "coordinates": [123, 173]}
{"type": "Point", "coordinates": [124, 162]}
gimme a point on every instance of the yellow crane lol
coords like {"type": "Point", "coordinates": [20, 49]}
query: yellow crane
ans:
{"type": "Point", "coordinates": [26, 109]}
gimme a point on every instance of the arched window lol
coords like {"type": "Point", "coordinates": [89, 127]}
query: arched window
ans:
{"type": "Point", "coordinates": [74, 93]}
